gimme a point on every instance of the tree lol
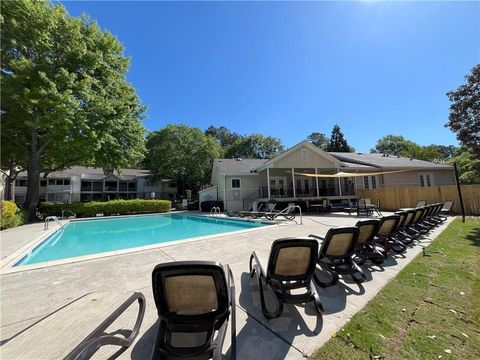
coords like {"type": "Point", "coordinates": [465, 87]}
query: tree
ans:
{"type": "Point", "coordinates": [337, 142]}
{"type": "Point", "coordinates": [468, 164]}
{"type": "Point", "coordinates": [464, 117]}
{"type": "Point", "coordinates": [65, 98]}
{"type": "Point", "coordinates": [182, 153]}
{"type": "Point", "coordinates": [319, 140]}
{"type": "Point", "coordinates": [399, 146]}
{"type": "Point", "coordinates": [392, 144]}
{"type": "Point", "coordinates": [255, 146]}
{"type": "Point", "coordinates": [224, 136]}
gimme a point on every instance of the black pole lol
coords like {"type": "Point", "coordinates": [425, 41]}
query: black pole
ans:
{"type": "Point", "coordinates": [459, 190]}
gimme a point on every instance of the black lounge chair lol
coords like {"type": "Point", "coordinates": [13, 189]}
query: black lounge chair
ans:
{"type": "Point", "coordinates": [291, 266]}
{"type": "Point", "coordinates": [252, 213]}
{"type": "Point", "coordinates": [400, 234]}
{"type": "Point", "coordinates": [445, 210]}
{"type": "Point", "coordinates": [98, 338]}
{"type": "Point", "coordinates": [336, 255]}
{"type": "Point", "coordinates": [194, 301]}
{"type": "Point", "coordinates": [421, 203]}
{"type": "Point", "coordinates": [386, 234]}
{"type": "Point", "coordinates": [366, 249]}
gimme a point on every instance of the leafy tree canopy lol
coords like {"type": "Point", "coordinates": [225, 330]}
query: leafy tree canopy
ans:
{"type": "Point", "coordinates": [255, 146]}
{"type": "Point", "coordinates": [224, 136]}
{"type": "Point", "coordinates": [399, 146]}
{"type": "Point", "coordinates": [464, 118]}
{"type": "Point", "coordinates": [65, 97]}
{"type": "Point", "coordinates": [183, 153]}
{"type": "Point", "coordinates": [337, 142]}
{"type": "Point", "coordinates": [468, 165]}
{"type": "Point", "coordinates": [319, 140]}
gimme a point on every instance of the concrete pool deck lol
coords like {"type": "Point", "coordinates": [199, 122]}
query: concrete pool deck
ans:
{"type": "Point", "coordinates": [29, 296]}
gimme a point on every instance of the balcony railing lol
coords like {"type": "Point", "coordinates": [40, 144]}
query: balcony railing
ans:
{"type": "Point", "coordinates": [287, 191]}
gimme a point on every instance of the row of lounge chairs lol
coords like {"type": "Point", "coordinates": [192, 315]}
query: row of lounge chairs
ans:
{"type": "Point", "coordinates": [195, 300]}
{"type": "Point", "coordinates": [288, 213]}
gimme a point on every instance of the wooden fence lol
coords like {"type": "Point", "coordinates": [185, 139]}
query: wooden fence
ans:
{"type": "Point", "coordinates": [392, 199]}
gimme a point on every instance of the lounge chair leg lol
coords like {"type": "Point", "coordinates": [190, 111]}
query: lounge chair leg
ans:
{"type": "Point", "coordinates": [332, 273]}
{"type": "Point", "coordinates": [358, 271]}
{"type": "Point", "coordinates": [316, 299]}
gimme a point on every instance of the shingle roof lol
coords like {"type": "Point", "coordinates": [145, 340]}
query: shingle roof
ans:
{"type": "Point", "coordinates": [237, 166]}
{"type": "Point", "coordinates": [82, 170]}
{"type": "Point", "coordinates": [379, 160]}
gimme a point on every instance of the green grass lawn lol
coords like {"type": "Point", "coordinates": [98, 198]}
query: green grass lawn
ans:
{"type": "Point", "coordinates": [431, 310]}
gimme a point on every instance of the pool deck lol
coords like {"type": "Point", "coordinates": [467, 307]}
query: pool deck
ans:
{"type": "Point", "coordinates": [28, 297]}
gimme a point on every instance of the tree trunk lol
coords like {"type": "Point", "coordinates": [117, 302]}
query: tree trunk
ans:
{"type": "Point", "coordinates": [8, 188]}
{"type": "Point", "coordinates": [33, 168]}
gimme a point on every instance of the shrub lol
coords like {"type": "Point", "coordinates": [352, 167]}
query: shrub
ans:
{"type": "Point", "coordinates": [11, 215]}
{"type": "Point", "coordinates": [121, 207]}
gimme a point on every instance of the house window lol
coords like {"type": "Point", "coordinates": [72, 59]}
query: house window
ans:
{"type": "Point", "coordinates": [305, 155]}
{"type": "Point", "coordinates": [51, 182]}
{"type": "Point", "coordinates": [370, 182]}
{"type": "Point", "coordinates": [365, 182]}
{"type": "Point", "coordinates": [426, 180]}
{"type": "Point", "coordinates": [66, 181]}
{"type": "Point", "coordinates": [43, 183]}
{"type": "Point", "coordinates": [172, 185]}
{"type": "Point", "coordinates": [235, 183]}
{"type": "Point", "coordinates": [21, 183]}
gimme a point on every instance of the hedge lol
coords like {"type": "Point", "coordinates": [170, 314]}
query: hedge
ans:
{"type": "Point", "coordinates": [114, 207]}
{"type": "Point", "coordinates": [11, 215]}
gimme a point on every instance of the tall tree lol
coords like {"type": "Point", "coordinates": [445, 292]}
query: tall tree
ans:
{"type": "Point", "coordinates": [319, 140]}
{"type": "Point", "coordinates": [392, 144]}
{"type": "Point", "coordinates": [464, 118]}
{"type": "Point", "coordinates": [65, 97]}
{"type": "Point", "coordinates": [182, 153]}
{"type": "Point", "coordinates": [337, 142]}
{"type": "Point", "coordinates": [223, 135]}
{"type": "Point", "coordinates": [255, 146]}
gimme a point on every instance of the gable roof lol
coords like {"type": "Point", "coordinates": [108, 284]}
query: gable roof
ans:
{"type": "Point", "coordinates": [384, 162]}
{"type": "Point", "coordinates": [306, 144]}
{"type": "Point", "coordinates": [237, 166]}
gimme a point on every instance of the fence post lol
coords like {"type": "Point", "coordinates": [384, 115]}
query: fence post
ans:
{"type": "Point", "coordinates": [457, 180]}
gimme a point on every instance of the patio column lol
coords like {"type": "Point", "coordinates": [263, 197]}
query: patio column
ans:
{"type": "Point", "coordinates": [339, 187]}
{"type": "Point", "coordinates": [268, 181]}
{"type": "Point", "coordinates": [316, 181]}
{"type": "Point", "coordinates": [293, 181]}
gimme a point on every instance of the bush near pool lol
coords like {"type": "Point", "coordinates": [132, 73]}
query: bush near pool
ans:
{"type": "Point", "coordinates": [11, 215]}
{"type": "Point", "coordinates": [114, 207]}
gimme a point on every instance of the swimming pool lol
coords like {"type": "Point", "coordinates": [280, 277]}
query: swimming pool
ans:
{"type": "Point", "coordinates": [87, 237]}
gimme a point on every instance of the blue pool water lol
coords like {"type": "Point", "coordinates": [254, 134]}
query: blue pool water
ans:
{"type": "Point", "coordinates": [101, 235]}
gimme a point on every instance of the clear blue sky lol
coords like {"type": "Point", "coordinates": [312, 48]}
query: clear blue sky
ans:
{"type": "Point", "coordinates": [288, 69]}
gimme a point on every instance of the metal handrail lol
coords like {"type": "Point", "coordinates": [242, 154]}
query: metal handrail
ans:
{"type": "Point", "coordinates": [54, 218]}
{"type": "Point", "coordinates": [69, 211]}
{"type": "Point", "coordinates": [214, 211]}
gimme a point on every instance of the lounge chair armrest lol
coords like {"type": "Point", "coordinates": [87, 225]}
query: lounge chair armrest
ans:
{"type": "Point", "coordinates": [316, 237]}
{"type": "Point", "coordinates": [233, 325]}
{"type": "Point", "coordinates": [259, 264]}
{"type": "Point", "coordinates": [98, 338]}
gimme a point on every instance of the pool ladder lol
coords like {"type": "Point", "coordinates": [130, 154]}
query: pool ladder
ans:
{"type": "Point", "coordinates": [68, 211]}
{"type": "Point", "coordinates": [215, 211]}
{"type": "Point", "coordinates": [52, 218]}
